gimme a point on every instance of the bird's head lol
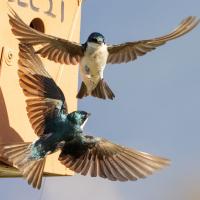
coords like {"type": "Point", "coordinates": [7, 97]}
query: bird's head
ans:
{"type": "Point", "coordinates": [78, 118]}
{"type": "Point", "coordinates": [96, 38]}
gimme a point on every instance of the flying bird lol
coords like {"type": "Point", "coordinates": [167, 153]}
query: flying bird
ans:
{"type": "Point", "coordinates": [94, 54]}
{"type": "Point", "coordinates": [59, 130]}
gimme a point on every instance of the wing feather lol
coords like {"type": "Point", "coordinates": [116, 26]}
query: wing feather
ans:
{"type": "Point", "coordinates": [99, 157]}
{"type": "Point", "coordinates": [64, 48]}
{"type": "Point", "coordinates": [129, 51]}
{"type": "Point", "coordinates": [45, 99]}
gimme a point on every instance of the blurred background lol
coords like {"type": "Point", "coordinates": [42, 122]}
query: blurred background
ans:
{"type": "Point", "coordinates": [156, 109]}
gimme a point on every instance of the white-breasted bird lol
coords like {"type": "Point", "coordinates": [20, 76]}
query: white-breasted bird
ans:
{"type": "Point", "coordinates": [94, 54]}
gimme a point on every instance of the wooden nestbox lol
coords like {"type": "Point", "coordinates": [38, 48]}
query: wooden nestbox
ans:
{"type": "Point", "coordinates": [56, 17]}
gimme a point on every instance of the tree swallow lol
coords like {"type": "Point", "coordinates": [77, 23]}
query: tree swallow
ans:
{"type": "Point", "coordinates": [94, 54]}
{"type": "Point", "coordinates": [59, 130]}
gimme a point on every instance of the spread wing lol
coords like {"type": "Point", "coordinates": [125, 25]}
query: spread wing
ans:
{"type": "Point", "coordinates": [54, 48]}
{"type": "Point", "coordinates": [45, 99]}
{"type": "Point", "coordinates": [99, 157]}
{"type": "Point", "coordinates": [131, 50]}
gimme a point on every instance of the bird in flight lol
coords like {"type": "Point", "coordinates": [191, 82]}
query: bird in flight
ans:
{"type": "Point", "coordinates": [94, 54]}
{"type": "Point", "coordinates": [59, 130]}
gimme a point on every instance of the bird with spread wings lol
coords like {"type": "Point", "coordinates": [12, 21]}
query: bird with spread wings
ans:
{"type": "Point", "coordinates": [59, 130]}
{"type": "Point", "coordinates": [94, 54]}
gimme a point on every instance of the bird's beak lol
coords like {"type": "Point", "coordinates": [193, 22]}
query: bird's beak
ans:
{"type": "Point", "coordinates": [88, 114]}
{"type": "Point", "coordinates": [99, 40]}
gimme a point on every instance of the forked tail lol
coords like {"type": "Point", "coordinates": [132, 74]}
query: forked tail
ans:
{"type": "Point", "coordinates": [101, 91]}
{"type": "Point", "coordinates": [82, 92]}
{"type": "Point", "coordinates": [20, 156]}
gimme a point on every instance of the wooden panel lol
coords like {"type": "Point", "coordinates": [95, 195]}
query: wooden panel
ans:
{"type": "Point", "coordinates": [58, 17]}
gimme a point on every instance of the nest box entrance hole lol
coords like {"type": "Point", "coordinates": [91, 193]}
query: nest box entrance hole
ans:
{"type": "Point", "coordinates": [37, 24]}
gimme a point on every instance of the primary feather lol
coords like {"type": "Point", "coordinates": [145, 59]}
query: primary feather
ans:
{"type": "Point", "coordinates": [94, 54]}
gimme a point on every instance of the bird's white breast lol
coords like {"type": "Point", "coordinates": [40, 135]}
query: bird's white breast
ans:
{"type": "Point", "coordinates": [93, 64]}
{"type": "Point", "coordinates": [94, 60]}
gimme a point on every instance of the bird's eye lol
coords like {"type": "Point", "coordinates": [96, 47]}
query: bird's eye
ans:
{"type": "Point", "coordinates": [94, 40]}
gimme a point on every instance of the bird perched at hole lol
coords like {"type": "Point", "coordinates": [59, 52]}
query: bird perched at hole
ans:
{"type": "Point", "coordinates": [94, 54]}
{"type": "Point", "coordinates": [58, 129]}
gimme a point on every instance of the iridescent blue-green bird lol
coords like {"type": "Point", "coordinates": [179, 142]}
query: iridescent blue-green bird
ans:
{"type": "Point", "coordinates": [59, 130]}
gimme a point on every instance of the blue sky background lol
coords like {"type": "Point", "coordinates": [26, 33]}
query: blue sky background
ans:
{"type": "Point", "coordinates": [157, 105]}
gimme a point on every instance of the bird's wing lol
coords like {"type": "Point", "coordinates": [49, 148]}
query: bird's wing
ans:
{"type": "Point", "coordinates": [129, 51]}
{"type": "Point", "coordinates": [54, 48]}
{"type": "Point", "coordinates": [99, 157]}
{"type": "Point", "coordinates": [45, 99]}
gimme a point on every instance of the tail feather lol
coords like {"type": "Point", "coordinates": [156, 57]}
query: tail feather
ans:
{"type": "Point", "coordinates": [20, 156]}
{"type": "Point", "coordinates": [30, 175]}
{"type": "Point", "coordinates": [103, 91]}
{"type": "Point", "coordinates": [100, 91]}
{"type": "Point", "coordinates": [82, 92]}
{"type": "Point", "coordinates": [38, 181]}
